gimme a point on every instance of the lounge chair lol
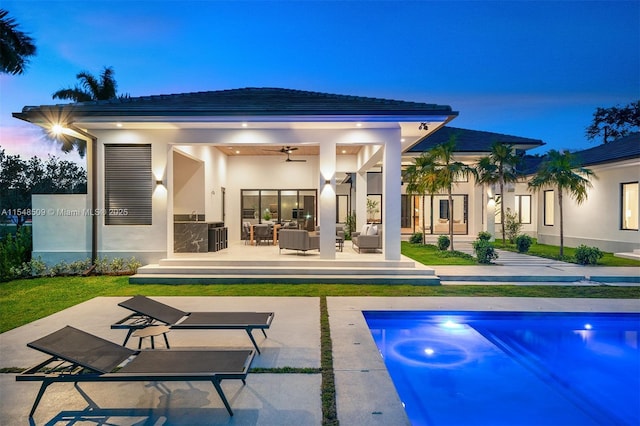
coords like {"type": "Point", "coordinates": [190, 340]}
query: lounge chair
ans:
{"type": "Point", "coordinates": [148, 312]}
{"type": "Point", "coordinates": [77, 356]}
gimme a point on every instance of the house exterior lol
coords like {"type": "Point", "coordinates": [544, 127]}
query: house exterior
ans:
{"type": "Point", "coordinates": [165, 170]}
{"type": "Point", "coordinates": [158, 163]}
{"type": "Point", "coordinates": [608, 219]}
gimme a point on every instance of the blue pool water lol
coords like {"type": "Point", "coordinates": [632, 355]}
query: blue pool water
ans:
{"type": "Point", "coordinates": [509, 368]}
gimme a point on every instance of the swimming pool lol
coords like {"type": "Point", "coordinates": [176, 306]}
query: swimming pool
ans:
{"type": "Point", "coordinates": [512, 368]}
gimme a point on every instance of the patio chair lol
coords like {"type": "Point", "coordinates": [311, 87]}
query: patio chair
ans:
{"type": "Point", "coordinates": [150, 312]}
{"type": "Point", "coordinates": [262, 233]}
{"type": "Point", "coordinates": [246, 232]}
{"type": "Point", "coordinates": [77, 356]}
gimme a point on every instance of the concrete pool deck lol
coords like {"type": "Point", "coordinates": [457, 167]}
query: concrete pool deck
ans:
{"type": "Point", "coordinates": [364, 391]}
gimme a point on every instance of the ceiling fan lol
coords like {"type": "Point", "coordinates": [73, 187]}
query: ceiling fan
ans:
{"type": "Point", "coordinates": [287, 150]}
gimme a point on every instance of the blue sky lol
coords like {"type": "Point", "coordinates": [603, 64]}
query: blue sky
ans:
{"type": "Point", "coordinates": [535, 69]}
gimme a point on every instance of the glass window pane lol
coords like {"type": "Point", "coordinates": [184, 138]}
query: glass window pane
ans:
{"type": "Point", "coordinates": [250, 205]}
{"type": "Point", "coordinates": [269, 205]}
{"type": "Point", "coordinates": [523, 208]}
{"type": "Point", "coordinates": [548, 208]}
{"type": "Point", "coordinates": [630, 206]}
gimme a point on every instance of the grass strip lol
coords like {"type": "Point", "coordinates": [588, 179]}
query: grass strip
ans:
{"type": "Point", "coordinates": [328, 389]}
{"type": "Point", "coordinates": [285, 370]}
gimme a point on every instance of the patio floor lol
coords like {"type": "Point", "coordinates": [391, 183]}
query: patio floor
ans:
{"type": "Point", "coordinates": [365, 393]}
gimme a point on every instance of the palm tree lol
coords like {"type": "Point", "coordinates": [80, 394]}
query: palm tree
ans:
{"type": "Point", "coordinates": [91, 88]}
{"type": "Point", "coordinates": [15, 46]}
{"type": "Point", "coordinates": [420, 181]}
{"type": "Point", "coordinates": [562, 171]}
{"type": "Point", "coordinates": [499, 167]}
{"type": "Point", "coordinates": [443, 171]}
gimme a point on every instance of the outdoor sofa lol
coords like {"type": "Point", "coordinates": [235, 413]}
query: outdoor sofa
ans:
{"type": "Point", "coordinates": [77, 356]}
{"type": "Point", "coordinates": [298, 239]}
{"type": "Point", "coordinates": [149, 312]}
{"type": "Point", "coordinates": [370, 238]}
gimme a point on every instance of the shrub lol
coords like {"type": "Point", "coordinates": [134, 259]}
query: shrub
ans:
{"type": "Point", "coordinates": [512, 225]}
{"type": "Point", "coordinates": [443, 242]}
{"type": "Point", "coordinates": [132, 265]}
{"type": "Point", "coordinates": [588, 255]}
{"type": "Point", "coordinates": [485, 252]}
{"type": "Point", "coordinates": [14, 251]}
{"type": "Point", "coordinates": [484, 235]}
{"type": "Point", "coordinates": [523, 242]}
{"type": "Point", "coordinates": [416, 238]}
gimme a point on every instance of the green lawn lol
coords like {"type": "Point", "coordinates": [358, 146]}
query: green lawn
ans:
{"type": "Point", "coordinates": [24, 301]}
{"type": "Point", "coordinates": [429, 254]}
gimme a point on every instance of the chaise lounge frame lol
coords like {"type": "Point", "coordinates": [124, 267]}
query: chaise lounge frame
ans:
{"type": "Point", "coordinates": [149, 312]}
{"type": "Point", "coordinates": [77, 356]}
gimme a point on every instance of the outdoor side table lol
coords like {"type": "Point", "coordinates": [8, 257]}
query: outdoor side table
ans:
{"type": "Point", "coordinates": [152, 331]}
{"type": "Point", "coordinates": [340, 243]}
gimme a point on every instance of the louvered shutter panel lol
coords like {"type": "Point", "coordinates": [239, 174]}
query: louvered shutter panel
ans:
{"type": "Point", "coordinates": [128, 184]}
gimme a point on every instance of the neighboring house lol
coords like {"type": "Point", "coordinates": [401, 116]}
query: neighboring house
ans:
{"type": "Point", "coordinates": [156, 162]}
{"type": "Point", "coordinates": [469, 199]}
{"type": "Point", "coordinates": [608, 219]}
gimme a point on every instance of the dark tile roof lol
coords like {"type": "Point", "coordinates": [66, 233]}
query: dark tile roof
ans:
{"type": "Point", "coordinates": [620, 149]}
{"type": "Point", "coordinates": [530, 164]}
{"type": "Point", "coordinates": [247, 102]}
{"type": "Point", "coordinates": [472, 140]}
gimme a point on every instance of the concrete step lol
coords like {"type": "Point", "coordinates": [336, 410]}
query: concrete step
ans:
{"type": "Point", "coordinates": [283, 279]}
{"type": "Point", "coordinates": [279, 270]}
{"type": "Point", "coordinates": [298, 261]}
{"type": "Point", "coordinates": [635, 255]}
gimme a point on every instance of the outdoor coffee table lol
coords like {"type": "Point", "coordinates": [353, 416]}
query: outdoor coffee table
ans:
{"type": "Point", "coordinates": [152, 331]}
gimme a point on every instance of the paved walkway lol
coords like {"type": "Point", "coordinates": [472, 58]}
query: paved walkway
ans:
{"type": "Point", "coordinates": [523, 269]}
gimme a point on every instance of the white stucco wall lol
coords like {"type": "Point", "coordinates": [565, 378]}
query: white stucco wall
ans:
{"type": "Point", "coordinates": [188, 180]}
{"type": "Point", "coordinates": [597, 221]}
{"type": "Point", "coordinates": [61, 228]}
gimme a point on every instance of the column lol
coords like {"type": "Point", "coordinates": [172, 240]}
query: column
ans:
{"type": "Point", "coordinates": [391, 181]}
{"type": "Point", "coordinates": [327, 200]}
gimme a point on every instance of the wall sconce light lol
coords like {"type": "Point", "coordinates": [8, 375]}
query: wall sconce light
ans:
{"type": "Point", "coordinates": [159, 182]}
{"type": "Point", "coordinates": [327, 182]}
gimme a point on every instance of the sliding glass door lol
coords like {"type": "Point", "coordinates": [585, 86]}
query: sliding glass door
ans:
{"type": "Point", "coordinates": [292, 207]}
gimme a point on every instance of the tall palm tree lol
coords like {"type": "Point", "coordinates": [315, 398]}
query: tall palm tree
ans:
{"type": "Point", "coordinates": [443, 171]}
{"type": "Point", "coordinates": [563, 171]}
{"type": "Point", "coordinates": [499, 167]}
{"type": "Point", "coordinates": [15, 46]}
{"type": "Point", "coordinates": [420, 180]}
{"type": "Point", "coordinates": [91, 88]}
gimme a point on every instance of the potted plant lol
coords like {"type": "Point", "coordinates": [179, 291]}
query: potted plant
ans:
{"type": "Point", "coordinates": [266, 215]}
{"type": "Point", "coordinates": [372, 209]}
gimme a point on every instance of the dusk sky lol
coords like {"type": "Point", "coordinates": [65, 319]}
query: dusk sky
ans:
{"type": "Point", "coordinates": [535, 69]}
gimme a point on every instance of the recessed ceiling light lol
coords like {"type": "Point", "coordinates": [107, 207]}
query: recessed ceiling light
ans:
{"type": "Point", "coordinates": [237, 152]}
{"type": "Point", "coordinates": [359, 124]}
{"type": "Point", "coordinates": [402, 140]}
{"type": "Point", "coordinates": [244, 124]}
{"type": "Point", "coordinates": [118, 124]}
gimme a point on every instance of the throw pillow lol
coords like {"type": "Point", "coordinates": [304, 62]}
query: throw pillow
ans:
{"type": "Point", "coordinates": [365, 229]}
{"type": "Point", "coordinates": [373, 230]}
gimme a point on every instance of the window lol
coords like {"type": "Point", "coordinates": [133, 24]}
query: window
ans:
{"type": "Point", "coordinates": [629, 209]}
{"type": "Point", "coordinates": [548, 208]}
{"type": "Point", "coordinates": [523, 208]}
{"type": "Point", "coordinates": [128, 184]}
